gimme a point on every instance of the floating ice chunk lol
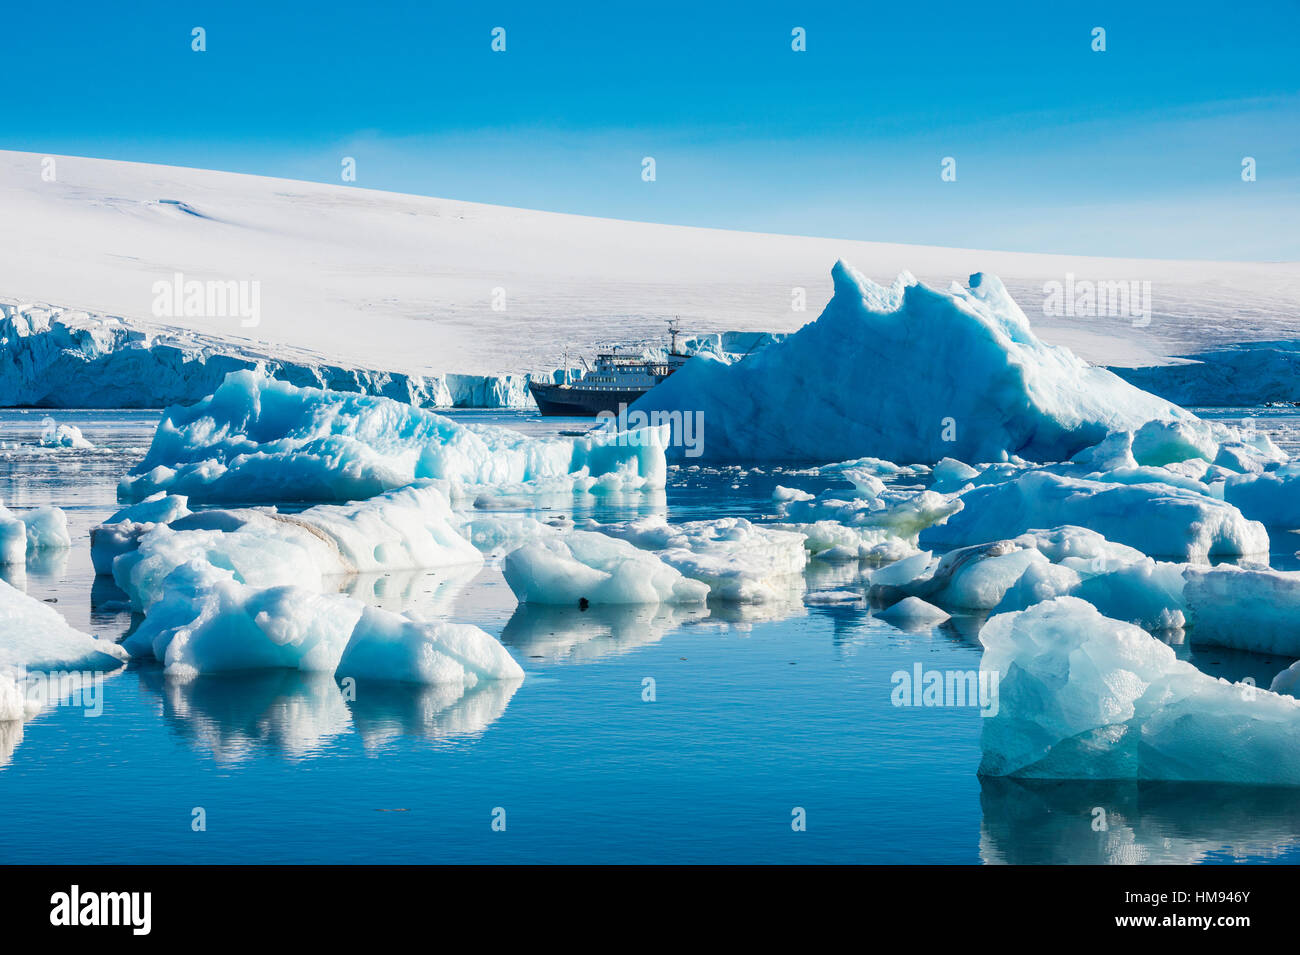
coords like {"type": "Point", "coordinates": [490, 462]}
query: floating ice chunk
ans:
{"type": "Point", "coordinates": [55, 435]}
{"type": "Point", "coordinates": [121, 533]}
{"type": "Point", "coordinates": [1082, 696]}
{"type": "Point", "coordinates": [405, 529]}
{"type": "Point", "coordinates": [977, 578]}
{"type": "Point", "coordinates": [1158, 443]}
{"type": "Point", "coordinates": [738, 560]}
{"type": "Point", "coordinates": [256, 440]}
{"type": "Point", "coordinates": [1288, 681]}
{"type": "Point", "coordinates": [901, 513]}
{"type": "Point", "coordinates": [882, 372]}
{"type": "Point", "coordinates": [1272, 498]}
{"type": "Point", "coordinates": [13, 538]}
{"type": "Point", "coordinates": [1245, 609]}
{"type": "Point", "coordinates": [832, 541]}
{"type": "Point", "coordinates": [1157, 519]}
{"type": "Point", "coordinates": [206, 621]}
{"type": "Point", "coordinates": [386, 646]}
{"type": "Point", "coordinates": [833, 597]}
{"type": "Point", "coordinates": [585, 567]}
{"type": "Point", "coordinates": [1145, 592]}
{"type": "Point", "coordinates": [35, 638]}
{"type": "Point", "coordinates": [1112, 453]}
{"type": "Point", "coordinates": [47, 529]}
{"type": "Point", "coordinates": [950, 474]}
{"type": "Point", "coordinates": [1039, 582]}
{"type": "Point", "coordinates": [857, 469]}
{"type": "Point", "coordinates": [905, 572]}
{"type": "Point", "coordinates": [913, 612]}
{"type": "Point", "coordinates": [790, 494]}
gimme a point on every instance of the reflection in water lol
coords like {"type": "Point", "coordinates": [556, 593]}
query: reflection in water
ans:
{"type": "Point", "coordinates": [48, 562]}
{"type": "Point", "coordinates": [385, 711]}
{"type": "Point", "coordinates": [567, 634]}
{"type": "Point", "coordinates": [43, 691]}
{"type": "Point", "coordinates": [234, 716]}
{"type": "Point", "coordinates": [15, 575]}
{"type": "Point", "coordinates": [11, 734]}
{"type": "Point", "coordinates": [1124, 823]}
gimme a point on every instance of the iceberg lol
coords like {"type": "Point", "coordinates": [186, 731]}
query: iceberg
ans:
{"type": "Point", "coordinates": [910, 374]}
{"type": "Point", "coordinates": [913, 613]}
{"type": "Point", "coordinates": [1159, 519]}
{"type": "Point", "coordinates": [406, 529]}
{"type": "Point", "coordinates": [587, 568]}
{"type": "Point", "coordinates": [1271, 497]}
{"type": "Point", "coordinates": [35, 638]}
{"type": "Point", "coordinates": [45, 529]}
{"type": "Point", "coordinates": [257, 439]}
{"type": "Point", "coordinates": [1083, 696]}
{"type": "Point", "coordinates": [739, 561]}
{"type": "Point", "coordinates": [55, 435]}
{"type": "Point", "coordinates": [206, 621]}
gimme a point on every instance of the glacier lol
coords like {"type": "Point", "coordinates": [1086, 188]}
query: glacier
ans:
{"type": "Point", "coordinates": [909, 374]}
{"type": "Point", "coordinates": [55, 357]}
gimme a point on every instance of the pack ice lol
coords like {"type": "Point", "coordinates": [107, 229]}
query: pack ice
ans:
{"type": "Point", "coordinates": [910, 374]}
{"type": "Point", "coordinates": [1083, 696]}
{"type": "Point", "coordinates": [257, 439]}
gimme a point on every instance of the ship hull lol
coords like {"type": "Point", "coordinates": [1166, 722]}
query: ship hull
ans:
{"type": "Point", "coordinates": [571, 402]}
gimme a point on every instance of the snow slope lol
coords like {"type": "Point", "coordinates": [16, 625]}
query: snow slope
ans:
{"type": "Point", "coordinates": [405, 284]}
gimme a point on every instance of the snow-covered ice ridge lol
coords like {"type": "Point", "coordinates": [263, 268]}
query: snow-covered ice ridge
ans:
{"type": "Point", "coordinates": [405, 283]}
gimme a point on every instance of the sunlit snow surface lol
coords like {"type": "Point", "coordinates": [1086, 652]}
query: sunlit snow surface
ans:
{"type": "Point", "coordinates": [758, 708]}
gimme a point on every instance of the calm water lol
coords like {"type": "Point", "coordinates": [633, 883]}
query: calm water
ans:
{"type": "Point", "coordinates": [756, 713]}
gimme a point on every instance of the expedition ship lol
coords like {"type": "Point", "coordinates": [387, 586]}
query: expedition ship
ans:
{"type": "Point", "coordinates": [614, 380]}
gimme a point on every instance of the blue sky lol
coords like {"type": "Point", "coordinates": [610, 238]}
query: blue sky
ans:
{"type": "Point", "coordinates": [1134, 151]}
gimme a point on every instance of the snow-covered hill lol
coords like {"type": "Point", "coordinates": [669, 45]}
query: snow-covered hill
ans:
{"type": "Point", "coordinates": [417, 285]}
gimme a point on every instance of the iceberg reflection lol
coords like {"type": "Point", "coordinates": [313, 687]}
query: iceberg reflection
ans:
{"type": "Point", "coordinates": [1035, 822]}
{"type": "Point", "coordinates": [570, 635]}
{"type": "Point", "coordinates": [384, 712]}
{"type": "Point", "coordinates": [236, 716]}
